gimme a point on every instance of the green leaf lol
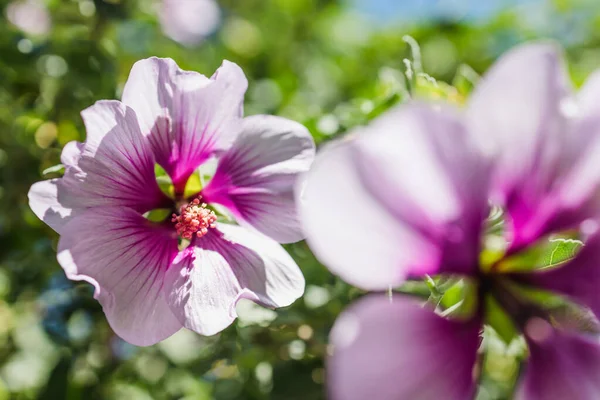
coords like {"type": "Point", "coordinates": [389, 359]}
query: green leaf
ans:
{"type": "Point", "coordinates": [497, 318]}
{"type": "Point", "coordinates": [560, 250]}
{"type": "Point", "coordinates": [564, 313]}
{"type": "Point", "coordinates": [415, 288]}
{"type": "Point", "coordinates": [547, 299]}
{"type": "Point", "coordinates": [547, 254]}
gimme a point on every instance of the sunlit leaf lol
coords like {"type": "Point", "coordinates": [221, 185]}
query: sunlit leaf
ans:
{"type": "Point", "coordinates": [56, 169]}
{"type": "Point", "coordinates": [547, 254]}
{"type": "Point", "coordinates": [560, 250]}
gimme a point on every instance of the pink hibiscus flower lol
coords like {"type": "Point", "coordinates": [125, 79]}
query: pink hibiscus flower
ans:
{"type": "Point", "coordinates": [148, 284]}
{"type": "Point", "coordinates": [409, 195]}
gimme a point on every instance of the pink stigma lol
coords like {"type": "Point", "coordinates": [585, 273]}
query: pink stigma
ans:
{"type": "Point", "coordinates": [194, 218]}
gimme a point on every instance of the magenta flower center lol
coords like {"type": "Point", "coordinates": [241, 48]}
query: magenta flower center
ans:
{"type": "Point", "coordinates": [194, 218]}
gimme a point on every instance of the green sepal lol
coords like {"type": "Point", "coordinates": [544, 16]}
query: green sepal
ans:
{"type": "Point", "coordinates": [158, 214]}
{"type": "Point", "coordinates": [499, 320]}
{"type": "Point", "coordinates": [164, 181]}
{"type": "Point", "coordinates": [460, 299]}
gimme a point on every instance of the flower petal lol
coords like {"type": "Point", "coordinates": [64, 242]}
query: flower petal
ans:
{"type": "Point", "coordinates": [256, 177]}
{"type": "Point", "coordinates": [113, 167]}
{"type": "Point", "coordinates": [577, 193]}
{"type": "Point", "coordinates": [125, 258]}
{"type": "Point", "coordinates": [399, 350]}
{"type": "Point", "coordinates": [43, 201]}
{"type": "Point", "coordinates": [116, 166]}
{"type": "Point", "coordinates": [519, 115]}
{"type": "Point", "coordinates": [186, 115]}
{"type": "Point", "coordinates": [223, 266]}
{"type": "Point", "coordinates": [589, 95]}
{"type": "Point", "coordinates": [406, 197]}
{"type": "Point", "coordinates": [561, 366]}
{"type": "Point", "coordinates": [71, 154]}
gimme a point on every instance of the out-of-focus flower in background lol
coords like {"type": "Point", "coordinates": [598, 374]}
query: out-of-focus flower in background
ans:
{"type": "Point", "coordinates": [419, 180]}
{"type": "Point", "coordinates": [30, 16]}
{"type": "Point", "coordinates": [189, 21]}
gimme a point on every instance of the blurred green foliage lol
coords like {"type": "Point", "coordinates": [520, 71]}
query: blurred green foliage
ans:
{"type": "Point", "coordinates": [310, 60]}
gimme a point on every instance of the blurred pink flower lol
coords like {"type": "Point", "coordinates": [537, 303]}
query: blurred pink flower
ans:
{"type": "Point", "coordinates": [30, 16]}
{"type": "Point", "coordinates": [408, 196]}
{"type": "Point", "coordinates": [189, 21]}
{"type": "Point", "coordinates": [148, 287]}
